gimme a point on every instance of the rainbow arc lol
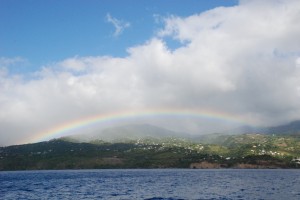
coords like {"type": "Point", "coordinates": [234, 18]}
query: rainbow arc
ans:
{"type": "Point", "coordinates": [71, 126]}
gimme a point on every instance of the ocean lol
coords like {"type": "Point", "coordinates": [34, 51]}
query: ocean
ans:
{"type": "Point", "coordinates": [169, 184]}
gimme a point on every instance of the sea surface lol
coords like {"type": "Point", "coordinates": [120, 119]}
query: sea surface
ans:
{"type": "Point", "coordinates": [152, 184]}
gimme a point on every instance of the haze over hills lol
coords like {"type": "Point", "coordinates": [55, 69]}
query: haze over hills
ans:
{"type": "Point", "coordinates": [130, 132]}
{"type": "Point", "coordinates": [292, 128]}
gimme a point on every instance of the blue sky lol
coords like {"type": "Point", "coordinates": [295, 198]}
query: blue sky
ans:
{"type": "Point", "coordinates": [47, 31]}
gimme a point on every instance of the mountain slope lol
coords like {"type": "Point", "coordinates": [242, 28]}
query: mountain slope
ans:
{"type": "Point", "coordinates": [292, 128]}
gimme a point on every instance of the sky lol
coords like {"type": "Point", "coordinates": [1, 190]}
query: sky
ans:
{"type": "Point", "coordinates": [233, 62]}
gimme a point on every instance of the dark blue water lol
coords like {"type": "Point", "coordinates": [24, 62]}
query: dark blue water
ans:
{"type": "Point", "coordinates": [151, 184]}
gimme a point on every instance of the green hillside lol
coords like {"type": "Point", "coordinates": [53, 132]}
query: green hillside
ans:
{"type": "Point", "coordinates": [224, 151]}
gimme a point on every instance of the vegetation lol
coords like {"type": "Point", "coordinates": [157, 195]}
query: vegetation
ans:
{"type": "Point", "coordinates": [238, 151]}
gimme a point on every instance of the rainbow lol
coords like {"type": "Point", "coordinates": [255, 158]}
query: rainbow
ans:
{"type": "Point", "coordinates": [67, 128]}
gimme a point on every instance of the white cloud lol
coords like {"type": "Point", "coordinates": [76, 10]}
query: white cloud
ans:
{"type": "Point", "coordinates": [119, 25]}
{"type": "Point", "coordinates": [298, 62]}
{"type": "Point", "coordinates": [8, 62]}
{"type": "Point", "coordinates": [241, 60]}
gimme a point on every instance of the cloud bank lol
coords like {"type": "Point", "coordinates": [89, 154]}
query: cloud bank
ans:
{"type": "Point", "coordinates": [243, 60]}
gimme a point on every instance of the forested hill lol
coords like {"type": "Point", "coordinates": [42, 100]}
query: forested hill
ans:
{"type": "Point", "coordinates": [222, 151]}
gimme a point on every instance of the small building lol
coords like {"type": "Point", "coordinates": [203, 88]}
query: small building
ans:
{"type": "Point", "coordinates": [296, 160]}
